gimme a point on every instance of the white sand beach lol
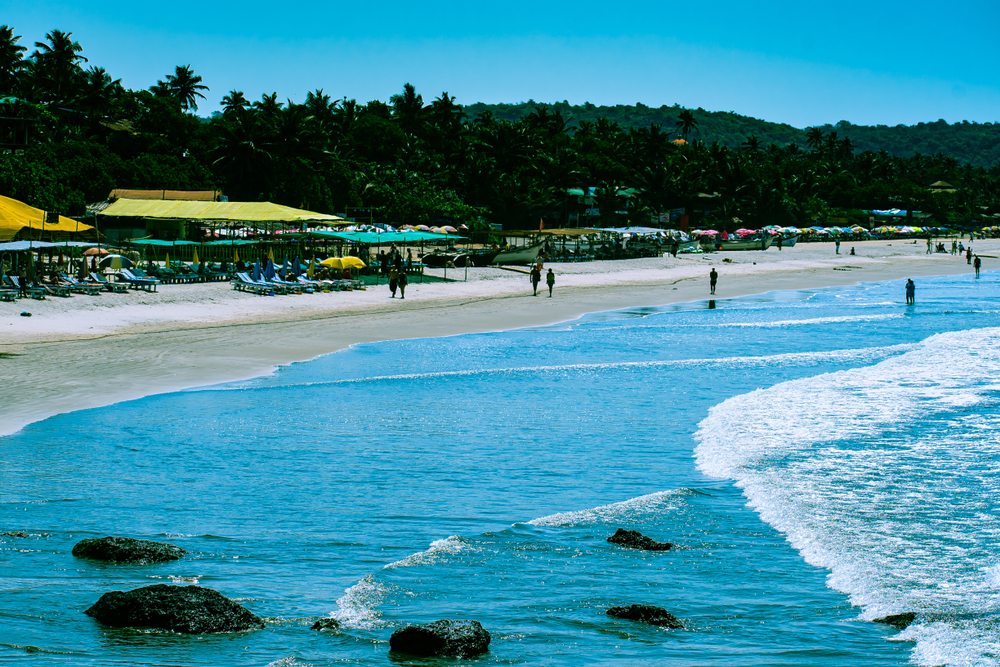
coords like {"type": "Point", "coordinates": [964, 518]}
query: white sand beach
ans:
{"type": "Point", "coordinates": [85, 352]}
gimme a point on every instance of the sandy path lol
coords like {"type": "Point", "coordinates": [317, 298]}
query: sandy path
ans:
{"type": "Point", "coordinates": [87, 352]}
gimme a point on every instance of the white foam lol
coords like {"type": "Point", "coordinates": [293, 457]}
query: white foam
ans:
{"type": "Point", "coordinates": [437, 549]}
{"type": "Point", "coordinates": [613, 513]}
{"type": "Point", "coordinates": [813, 321]}
{"type": "Point", "coordinates": [887, 476]}
{"type": "Point", "coordinates": [356, 608]}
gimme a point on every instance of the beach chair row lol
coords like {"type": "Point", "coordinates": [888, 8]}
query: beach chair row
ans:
{"type": "Point", "coordinates": [245, 283]}
{"type": "Point", "coordinates": [63, 286]}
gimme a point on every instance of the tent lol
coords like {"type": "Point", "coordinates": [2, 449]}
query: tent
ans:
{"type": "Point", "coordinates": [16, 215]}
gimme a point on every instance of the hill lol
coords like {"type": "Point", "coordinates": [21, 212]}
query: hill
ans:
{"type": "Point", "coordinates": [977, 144]}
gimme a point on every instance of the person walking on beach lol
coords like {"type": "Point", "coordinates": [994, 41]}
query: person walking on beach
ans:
{"type": "Point", "coordinates": [968, 255]}
{"type": "Point", "coordinates": [929, 249]}
{"type": "Point", "coordinates": [910, 292]}
{"type": "Point", "coordinates": [713, 278]}
{"type": "Point", "coordinates": [954, 247]}
{"type": "Point", "coordinates": [22, 281]}
{"type": "Point", "coordinates": [403, 282]}
{"type": "Point", "coordinates": [779, 242]}
{"type": "Point", "coordinates": [838, 246]}
{"type": "Point", "coordinates": [977, 264]}
{"type": "Point", "coordinates": [393, 281]}
{"type": "Point", "coordinates": [550, 280]}
{"type": "Point", "coordinates": [535, 277]}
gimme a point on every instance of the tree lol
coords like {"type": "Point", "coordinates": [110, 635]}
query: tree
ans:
{"type": "Point", "coordinates": [183, 85]}
{"type": "Point", "coordinates": [11, 61]}
{"type": "Point", "coordinates": [56, 66]}
{"type": "Point", "coordinates": [96, 92]}
{"type": "Point", "coordinates": [408, 109]}
{"type": "Point", "coordinates": [686, 123]}
{"type": "Point", "coordinates": [814, 138]}
{"type": "Point", "coordinates": [233, 101]}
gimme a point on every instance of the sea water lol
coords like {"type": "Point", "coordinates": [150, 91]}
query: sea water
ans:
{"type": "Point", "coordinates": [818, 457]}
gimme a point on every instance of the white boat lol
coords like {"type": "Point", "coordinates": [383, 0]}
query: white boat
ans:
{"type": "Point", "coordinates": [749, 244]}
{"type": "Point", "coordinates": [525, 255]}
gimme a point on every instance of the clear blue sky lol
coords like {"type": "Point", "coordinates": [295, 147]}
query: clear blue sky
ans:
{"type": "Point", "coordinates": [800, 63]}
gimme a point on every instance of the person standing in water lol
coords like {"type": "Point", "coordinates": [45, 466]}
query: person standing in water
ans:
{"type": "Point", "coordinates": [550, 280]}
{"type": "Point", "coordinates": [713, 278]}
{"type": "Point", "coordinates": [910, 292]}
{"type": "Point", "coordinates": [977, 264]}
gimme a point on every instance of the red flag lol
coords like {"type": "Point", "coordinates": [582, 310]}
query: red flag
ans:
{"type": "Point", "coordinates": [541, 224]}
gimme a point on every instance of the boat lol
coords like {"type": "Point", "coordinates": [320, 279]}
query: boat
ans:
{"type": "Point", "coordinates": [689, 246]}
{"type": "Point", "coordinates": [748, 244]}
{"type": "Point", "coordinates": [525, 255]}
{"type": "Point", "coordinates": [787, 241]}
{"type": "Point", "coordinates": [440, 260]}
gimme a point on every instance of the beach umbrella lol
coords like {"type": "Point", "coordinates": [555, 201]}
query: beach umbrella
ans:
{"type": "Point", "coordinates": [256, 271]}
{"type": "Point", "coordinates": [296, 268]}
{"type": "Point", "coordinates": [116, 262]}
{"type": "Point", "coordinates": [332, 263]}
{"type": "Point", "coordinates": [449, 229]}
{"type": "Point", "coordinates": [270, 254]}
{"type": "Point", "coordinates": [92, 252]}
{"type": "Point", "coordinates": [352, 263]}
{"type": "Point", "coordinates": [167, 263]}
{"type": "Point", "coordinates": [236, 256]}
{"type": "Point", "coordinates": [194, 258]}
{"type": "Point", "coordinates": [269, 272]}
{"type": "Point", "coordinates": [312, 268]}
{"type": "Point", "coordinates": [423, 228]}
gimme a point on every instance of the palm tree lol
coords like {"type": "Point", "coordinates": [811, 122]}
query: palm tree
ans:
{"type": "Point", "coordinates": [186, 86]}
{"type": "Point", "coordinates": [814, 138]}
{"type": "Point", "coordinates": [686, 123]}
{"type": "Point", "coordinates": [408, 108]}
{"type": "Point", "coordinates": [11, 60]}
{"type": "Point", "coordinates": [57, 65]}
{"type": "Point", "coordinates": [97, 92]}
{"type": "Point", "coordinates": [232, 101]}
{"type": "Point", "coordinates": [752, 144]}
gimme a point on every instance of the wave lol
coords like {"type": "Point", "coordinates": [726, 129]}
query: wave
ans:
{"type": "Point", "coordinates": [438, 548]}
{"type": "Point", "coordinates": [887, 476]}
{"type": "Point", "coordinates": [357, 607]}
{"type": "Point", "coordinates": [615, 512]}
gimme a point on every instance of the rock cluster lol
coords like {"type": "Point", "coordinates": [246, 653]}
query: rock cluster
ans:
{"type": "Point", "coordinates": [326, 624]}
{"type": "Point", "coordinates": [633, 539]}
{"type": "Point", "coordinates": [898, 621]}
{"type": "Point", "coordinates": [644, 613]}
{"type": "Point", "coordinates": [127, 550]}
{"type": "Point", "coordinates": [184, 609]}
{"type": "Point", "coordinates": [462, 639]}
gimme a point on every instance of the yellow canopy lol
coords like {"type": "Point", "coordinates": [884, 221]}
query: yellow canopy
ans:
{"type": "Point", "coordinates": [234, 211]}
{"type": "Point", "coordinates": [343, 263]}
{"type": "Point", "coordinates": [16, 215]}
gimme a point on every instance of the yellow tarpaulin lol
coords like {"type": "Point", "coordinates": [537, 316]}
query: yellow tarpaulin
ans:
{"type": "Point", "coordinates": [16, 215]}
{"type": "Point", "coordinates": [210, 210]}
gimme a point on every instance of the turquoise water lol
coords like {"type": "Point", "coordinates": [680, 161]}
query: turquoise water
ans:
{"type": "Point", "coordinates": [821, 457]}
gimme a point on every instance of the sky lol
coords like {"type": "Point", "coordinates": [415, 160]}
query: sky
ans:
{"type": "Point", "coordinates": [794, 62]}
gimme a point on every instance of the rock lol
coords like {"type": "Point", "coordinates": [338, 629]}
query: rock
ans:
{"type": "Point", "coordinates": [898, 621]}
{"type": "Point", "coordinates": [463, 639]}
{"type": "Point", "coordinates": [633, 539]}
{"type": "Point", "coordinates": [186, 609]}
{"type": "Point", "coordinates": [127, 550]}
{"type": "Point", "coordinates": [645, 613]}
{"type": "Point", "coordinates": [326, 624]}
{"type": "Point", "coordinates": [14, 533]}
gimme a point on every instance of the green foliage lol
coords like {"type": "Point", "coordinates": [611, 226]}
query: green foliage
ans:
{"type": "Point", "coordinates": [516, 164]}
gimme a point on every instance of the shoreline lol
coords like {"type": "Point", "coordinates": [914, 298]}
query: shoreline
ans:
{"type": "Point", "coordinates": [89, 352]}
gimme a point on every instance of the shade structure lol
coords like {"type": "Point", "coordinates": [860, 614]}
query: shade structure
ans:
{"type": "Point", "coordinates": [215, 211]}
{"type": "Point", "coordinates": [343, 263]}
{"type": "Point", "coordinates": [16, 215]}
{"type": "Point", "coordinates": [95, 252]}
{"type": "Point", "coordinates": [116, 262]}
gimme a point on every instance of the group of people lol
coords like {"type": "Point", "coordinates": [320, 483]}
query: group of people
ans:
{"type": "Point", "coordinates": [535, 276]}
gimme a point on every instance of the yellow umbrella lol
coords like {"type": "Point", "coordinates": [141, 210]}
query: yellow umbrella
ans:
{"type": "Point", "coordinates": [270, 254]}
{"type": "Point", "coordinates": [236, 256]}
{"type": "Point", "coordinates": [332, 263]}
{"type": "Point", "coordinates": [351, 263]}
{"type": "Point", "coordinates": [194, 259]}
{"type": "Point", "coordinates": [312, 268]}
{"type": "Point", "coordinates": [168, 259]}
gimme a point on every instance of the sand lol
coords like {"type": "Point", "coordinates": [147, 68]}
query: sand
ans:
{"type": "Point", "coordinates": [87, 352]}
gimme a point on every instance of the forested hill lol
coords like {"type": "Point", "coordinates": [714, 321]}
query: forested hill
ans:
{"type": "Point", "coordinates": [972, 143]}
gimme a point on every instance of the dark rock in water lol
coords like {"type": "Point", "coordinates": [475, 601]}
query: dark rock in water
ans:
{"type": "Point", "coordinates": [463, 639]}
{"type": "Point", "coordinates": [645, 613]}
{"type": "Point", "coordinates": [898, 621]}
{"type": "Point", "coordinates": [187, 609]}
{"type": "Point", "coordinates": [326, 624]}
{"type": "Point", "coordinates": [14, 533]}
{"type": "Point", "coordinates": [633, 539]}
{"type": "Point", "coordinates": [127, 550]}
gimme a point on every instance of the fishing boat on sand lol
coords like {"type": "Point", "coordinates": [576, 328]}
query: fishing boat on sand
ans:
{"type": "Point", "coordinates": [525, 255]}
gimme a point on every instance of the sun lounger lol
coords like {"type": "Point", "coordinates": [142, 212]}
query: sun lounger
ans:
{"type": "Point", "coordinates": [75, 285]}
{"type": "Point", "coordinates": [147, 284]}
{"type": "Point", "coordinates": [244, 283]}
{"type": "Point", "coordinates": [57, 289]}
{"type": "Point", "coordinates": [7, 294]}
{"type": "Point", "coordinates": [33, 292]}
{"type": "Point", "coordinates": [107, 284]}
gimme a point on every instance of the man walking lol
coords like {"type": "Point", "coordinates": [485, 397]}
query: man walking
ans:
{"type": "Point", "coordinates": [713, 278]}
{"type": "Point", "coordinates": [550, 280]}
{"type": "Point", "coordinates": [536, 277]}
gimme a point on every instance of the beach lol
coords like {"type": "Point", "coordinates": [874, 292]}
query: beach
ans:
{"type": "Point", "coordinates": [86, 352]}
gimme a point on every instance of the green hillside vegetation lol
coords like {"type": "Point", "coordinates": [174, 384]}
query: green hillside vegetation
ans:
{"type": "Point", "coordinates": [426, 162]}
{"type": "Point", "coordinates": [977, 144]}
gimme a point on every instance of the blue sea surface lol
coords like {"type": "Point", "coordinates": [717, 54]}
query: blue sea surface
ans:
{"type": "Point", "coordinates": [819, 457]}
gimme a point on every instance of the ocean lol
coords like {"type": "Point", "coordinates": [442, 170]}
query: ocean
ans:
{"type": "Point", "coordinates": [819, 458]}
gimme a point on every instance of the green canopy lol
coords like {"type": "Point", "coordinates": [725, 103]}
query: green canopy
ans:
{"type": "Point", "coordinates": [160, 242]}
{"type": "Point", "coordinates": [373, 238]}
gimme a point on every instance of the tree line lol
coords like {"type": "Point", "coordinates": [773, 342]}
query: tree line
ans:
{"type": "Point", "coordinates": [422, 162]}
